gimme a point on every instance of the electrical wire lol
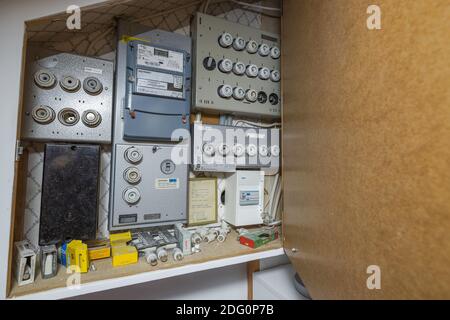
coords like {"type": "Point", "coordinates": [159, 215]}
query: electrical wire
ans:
{"type": "Point", "coordinates": [257, 6]}
{"type": "Point", "coordinates": [258, 125]}
{"type": "Point", "coordinates": [205, 8]}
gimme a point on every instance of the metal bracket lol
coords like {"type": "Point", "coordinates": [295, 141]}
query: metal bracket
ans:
{"type": "Point", "coordinates": [19, 150]}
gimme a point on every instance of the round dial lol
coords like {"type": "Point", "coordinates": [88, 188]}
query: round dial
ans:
{"type": "Point", "coordinates": [209, 149]}
{"type": "Point", "coordinates": [252, 47]}
{"type": "Point", "coordinates": [131, 196]}
{"type": "Point", "coordinates": [239, 93]}
{"type": "Point", "coordinates": [91, 118]}
{"type": "Point", "coordinates": [238, 150]}
{"type": "Point", "coordinates": [92, 86]}
{"type": "Point", "coordinates": [239, 44]}
{"type": "Point", "coordinates": [132, 175]}
{"type": "Point", "coordinates": [252, 150]}
{"type": "Point", "coordinates": [225, 91]}
{"type": "Point", "coordinates": [239, 68]}
{"type": "Point", "coordinates": [274, 99]}
{"type": "Point", "coordinates": [264, 50]}
{"type": "Point", "coordinates": [275, 151]}
{"type": "Point", "coordinates": [275, 76]}
{"type": "Point", "coordinates": [252, 71]}
{"type": "Point", "coordinates": [209, 63]}
{"type": "Point", "coordinates": [223, 149]}
{"type": "Point", "coordinates": [263, 151]}
{"type": "Point", "coordinates": [226, 40]}
{"type": "Point", "coordinates": [70, 84]}
{"type": "Point", "coordinates": [43, 114]}
{"type": "Point", "coordinates": [264, 73]}
{"type": "Point", "coordinates": [251, 95]}
{"type": "Point", "coordinates": [133, 155]}
{"type": "Point", "coordinates": [275, 52]}
{"type": "Point", "coordinates": [68, 117]}
{"type": "Point", "coordinates": [226, 66]}
{"type": "Point", "coordinates": [262, 97]}
{"type": "Point", "coordinates": [45, 79]}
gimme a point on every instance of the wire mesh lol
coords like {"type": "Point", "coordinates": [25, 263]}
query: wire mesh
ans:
{"type": "Point", "coordinates": [96, 36]}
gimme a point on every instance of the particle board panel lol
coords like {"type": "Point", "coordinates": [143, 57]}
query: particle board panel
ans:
{"type": "Point", "coordinates": [214, 251]}
{"type": "Point", "coordinates": [366, 147]}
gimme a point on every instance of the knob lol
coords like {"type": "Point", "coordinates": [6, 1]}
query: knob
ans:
{"type": "Point", "coordinates": [223, 149]}
{"type": "Point", "coordinates": [209, 149]}
{"type": "Point", "coordinates": [226, 66]}
{"type": "Point", "coordinates": [263, 151]}
{"type": "Point", "coordinates": [264, 73]}
{"type": "Point", "coordinates": [275, 52]}
{"type": "Point", "coordinates": [252, 71]}
{"type": "Point", "coordinates": [131, 196]}
{"type": "Point", "coordinates": [251, 95]}
{"type": "Point", "coordinates": [226, 40]}
{"type": "Point", "coordinates": [45, 79]}
{"type": "Point", "coordinates": [209, 63]}
{"type": "Point", "coordinates": [275, 76]}
{"type": "Point", "coordinates": [252, 47]}
{"type": "Point", "coordinates": [91, 118]}
{"type": "Point", "coordinates": [132, 175]}
{"type": "Point", "coordinates": [239, 68]}
{"type": "Point", "coordinates": [92, 86]}
{"type": "Point", "coordinates": [225, 91]}
{"type": "Point", "coordinates": [252, 150]}
{"type": "Point", "coordinates": [274, 99]}
{"type": "Point", "coordinates": [275, 151]}
{"type": "Point", "coordinates": [43, 114]}
{"type": "Point", "coordinates": [239, 93]}
{"type": "Point", "coordinates": [264, 50]}
{"type": "Point", "coordinates": [70, 84]}
{"type": "Point", "coordinates": [239, 44]}
{"type": "Point", "coordinates": [133, 155]}
{"type": "Point", "coordinates": [238, 150]}
{"type": "Point", "coordinates": [262, 97]}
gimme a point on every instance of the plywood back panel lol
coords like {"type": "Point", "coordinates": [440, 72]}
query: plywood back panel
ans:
{"type": "Point", "coordinates": [367, 147]}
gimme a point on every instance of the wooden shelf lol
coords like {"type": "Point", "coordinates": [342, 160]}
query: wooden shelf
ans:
{"type": "Point", "coordinates": [214, 255]}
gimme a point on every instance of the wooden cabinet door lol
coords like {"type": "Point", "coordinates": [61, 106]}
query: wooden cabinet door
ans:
{"type": "Point", "coordinates": [367, 147]}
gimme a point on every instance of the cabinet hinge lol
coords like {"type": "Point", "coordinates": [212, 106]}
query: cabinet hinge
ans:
{"type": "Point", "coordinates": [19, 150]}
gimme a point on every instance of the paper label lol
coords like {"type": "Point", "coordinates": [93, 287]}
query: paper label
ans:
{"type": "Point", "coordinates": [93, 70]}
{"type": "Point", "coordinates": [160, 84]}
{"type": "Point", "coordinates": [167, 184]}
{"type": "Point", "coordinates": [159, 58]}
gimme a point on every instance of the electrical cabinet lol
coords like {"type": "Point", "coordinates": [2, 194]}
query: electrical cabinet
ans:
{"type": "Point", "coordinates": [364, 136]}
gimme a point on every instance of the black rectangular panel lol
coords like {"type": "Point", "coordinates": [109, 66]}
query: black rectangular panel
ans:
{"type": "Point", "coordinates": [69, 205]}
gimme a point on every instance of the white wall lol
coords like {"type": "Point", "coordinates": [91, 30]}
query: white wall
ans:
{"type": "Point", "coordinates": [228, 283]}
{"type": "Point", "coordinates": [12, 17]}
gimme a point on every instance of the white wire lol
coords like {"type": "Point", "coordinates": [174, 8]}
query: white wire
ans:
{"type": "Point", "coordinates": [260, 125]}
{"type": "Point", "coordinates": [277, 202]}
{"type": "Point", "coordinates": [272, 194]}
{"type": "Point", "coordinates": [257, 6]}
{"type": "Point", "coordinates": [205, 9]}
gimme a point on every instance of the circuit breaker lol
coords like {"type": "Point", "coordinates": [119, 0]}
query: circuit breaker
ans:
{"type": "Point", "coordinates": [236, 68]}
{"type": "Point", "coordinates": [244, 198]}
{"type": "Point", "coordinates": [151, 146]}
